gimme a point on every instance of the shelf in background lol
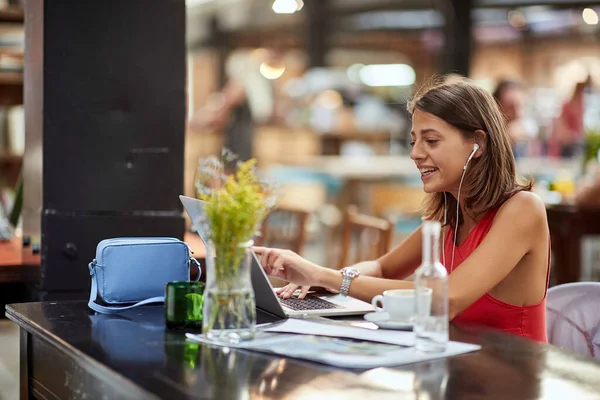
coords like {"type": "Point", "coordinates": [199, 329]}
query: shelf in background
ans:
{"type": "Point", "coordinates": [10, 168]}
{"type": "Point", "coordinates": [9, 158]}
{"type": "Point", "coordinates": [12, 14]}
{"type": "Point", "coordinates": [11, 78]}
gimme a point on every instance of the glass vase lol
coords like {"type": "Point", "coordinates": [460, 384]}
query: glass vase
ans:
{"type": "Point", "coordinates": [229, 313]}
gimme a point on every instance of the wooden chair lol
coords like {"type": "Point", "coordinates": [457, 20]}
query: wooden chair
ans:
{"type": "Point", "coordinates": [396, 200]}
{"type": "Point", "coordinates": [285, 227]}
{"type": "Point", "coordinates": [370, 237]}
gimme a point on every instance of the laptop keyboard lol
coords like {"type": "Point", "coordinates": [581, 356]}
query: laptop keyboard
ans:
{"type": "Point", "coordinates": [308, 303]}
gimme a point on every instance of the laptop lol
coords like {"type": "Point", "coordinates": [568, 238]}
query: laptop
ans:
{"type": "Point", "coordinates": [266, 298]}
{"type": "Point", "coordinates": [313, 304]}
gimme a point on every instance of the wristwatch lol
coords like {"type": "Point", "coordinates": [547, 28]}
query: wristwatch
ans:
{"type": "Point", "coordinates": [348, 273]}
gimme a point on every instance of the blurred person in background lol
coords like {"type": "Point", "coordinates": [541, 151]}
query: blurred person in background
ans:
{"type": "Point", "coordinates": [246, 98]}
{"type": "Point", "coordinates": [496, 246]}
{"type": "Point", "coordinates": [511, 100]}
{"type": "Point", "coordinates": [588, 195]}
{"type": "Point", "coordinates": [568, 133]}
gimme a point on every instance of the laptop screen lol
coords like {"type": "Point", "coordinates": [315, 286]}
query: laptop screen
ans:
{"type": "Point", "coordinates": [195, 210]}
{"type": "Point", "coordinates": [265, 297]}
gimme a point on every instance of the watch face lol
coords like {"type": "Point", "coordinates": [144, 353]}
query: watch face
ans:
{"type": "Point", "coordinates": [352, 272]}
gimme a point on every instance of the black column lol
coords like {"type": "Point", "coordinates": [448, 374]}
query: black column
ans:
{"type": "Point", "coordinates": [318, 31]}
{"type": "Point", "coordinates": [458, 38]}
{"type": "Point", "coordinates": [105, 123]}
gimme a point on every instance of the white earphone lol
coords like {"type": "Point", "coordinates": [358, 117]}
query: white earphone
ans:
{"type": "Point", "coordinates": [475, 148]}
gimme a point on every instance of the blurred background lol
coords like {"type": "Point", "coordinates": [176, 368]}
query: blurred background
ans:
{"type": "Point", "coordinates": [316, 91]}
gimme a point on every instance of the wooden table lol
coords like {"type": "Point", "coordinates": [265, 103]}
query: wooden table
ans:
{"type": "Point", "coordinates": [16, 266]}
{"type": "Point", "coordinates": [332, 142]}
{"type": "Point", "coordinates": [66, 352]}
{"type": "Point", "coordinates": [568, 224]}
{"type": "Point", "coordinates": [355, 171]}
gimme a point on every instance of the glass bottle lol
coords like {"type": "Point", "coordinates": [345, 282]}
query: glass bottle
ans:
{"type": "Point", "coordinates": [431, 294]}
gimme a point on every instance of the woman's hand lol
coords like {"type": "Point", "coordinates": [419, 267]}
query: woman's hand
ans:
{"type": "Point", "coordinates": [288, 291]}
{"type": "Point", "coordinates": [289, 266]}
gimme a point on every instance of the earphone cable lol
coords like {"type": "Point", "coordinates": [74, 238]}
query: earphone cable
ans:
{"type": "Point", "coordinates": [444, 235]}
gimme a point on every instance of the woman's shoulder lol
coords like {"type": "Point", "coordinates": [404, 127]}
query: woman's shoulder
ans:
{"type": "Point", "coordinates": [523, 208]}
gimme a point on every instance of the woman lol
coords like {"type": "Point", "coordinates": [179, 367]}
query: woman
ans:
{"type": "Point", "coordinates": [588, 195]}
{"type": "Point", "coordinates": [569, 130]}
{"type": "Point", "coordinates": [511, 100]}
{"type": "Point", "coordinates": [497, 249]}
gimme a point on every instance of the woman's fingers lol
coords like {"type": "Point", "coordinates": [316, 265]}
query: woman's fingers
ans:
{"type": "Point", "coordinates": [264, 259]}
{"type": "Point", "coordinates": [282, 289]}
{"type": "Point", "coordinates": [303, 292]}
{"type": "Point", "coordinates": [259, 249]}
{"type": "Point", "coordinates": [278, 261]}
{"type": "Point", "coordinates": [289, 291]}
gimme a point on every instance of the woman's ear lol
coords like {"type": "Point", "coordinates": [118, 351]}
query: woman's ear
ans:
{"type": "Point", "coordinates": [481, 140]}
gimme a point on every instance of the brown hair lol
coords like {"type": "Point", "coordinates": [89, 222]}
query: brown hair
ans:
{"type": "Point", "coordinates": [491, 178]}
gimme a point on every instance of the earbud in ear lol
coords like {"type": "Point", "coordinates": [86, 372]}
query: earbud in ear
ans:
{"type": "Point", "coordinates": [475, 148]}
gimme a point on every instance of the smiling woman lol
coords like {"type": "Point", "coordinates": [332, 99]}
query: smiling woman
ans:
{"type": "Point", "coordinates": [496, 242]}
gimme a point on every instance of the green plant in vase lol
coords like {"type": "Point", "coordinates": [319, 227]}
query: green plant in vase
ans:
{"type": "Point", "coordinates": [235, 205]}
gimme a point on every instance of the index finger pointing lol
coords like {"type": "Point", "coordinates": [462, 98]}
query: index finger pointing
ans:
{"type": "Point", "coordinates": [259, 249]}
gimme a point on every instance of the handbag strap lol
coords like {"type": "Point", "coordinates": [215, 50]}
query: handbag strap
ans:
{"type": "Point", "coordinates": [197, 264]}
{"type": "Point", "coordinates": [115, 310]}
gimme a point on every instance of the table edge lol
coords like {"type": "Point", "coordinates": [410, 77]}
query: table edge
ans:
{"type": "Point", "coordinates": [93, 366]}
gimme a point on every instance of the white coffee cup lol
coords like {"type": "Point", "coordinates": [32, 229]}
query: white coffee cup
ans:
{"type": "Point", "coordinates": [399, 304]}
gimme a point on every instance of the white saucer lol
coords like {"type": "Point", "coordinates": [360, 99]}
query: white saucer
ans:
{"type": "Point", "coordinates": [382, 320]}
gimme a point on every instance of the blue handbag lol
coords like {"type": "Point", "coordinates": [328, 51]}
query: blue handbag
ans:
{"type": "Point", "coordinates": [135, 270]}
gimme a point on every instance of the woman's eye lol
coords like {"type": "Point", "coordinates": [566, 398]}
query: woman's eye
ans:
{"type": "Point", "coordinates": [431, 141]}
{"type": "Point", "coordinates": [412, 144]}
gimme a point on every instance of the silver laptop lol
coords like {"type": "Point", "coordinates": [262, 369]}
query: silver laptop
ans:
{"type": "Point", "coordinates": [266, 298]}
{"type": "Point", "coordinates": [313, 304]}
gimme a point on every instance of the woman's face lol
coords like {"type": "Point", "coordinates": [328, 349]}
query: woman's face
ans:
{"type": "Point", "coordinates": [512, 102]}
{"type": "Point", "coordinates": [440, 151]}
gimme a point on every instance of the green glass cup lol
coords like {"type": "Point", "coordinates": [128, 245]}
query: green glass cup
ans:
{"type": "Point", "coordinates": [183, 305]}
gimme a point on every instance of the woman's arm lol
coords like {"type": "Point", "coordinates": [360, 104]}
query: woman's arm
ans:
{"type": "Point", "coordinates": [402, 260]}
{"type": "Point", "coordinates": [518, 223]}
{"type": "Point", "coordinates": [398, 263]}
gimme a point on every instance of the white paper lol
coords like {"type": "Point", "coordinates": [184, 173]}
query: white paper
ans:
{"type": "Point", "coordinates": [344, 353]}
{"type": "Point", "coordinates": [336, 329]}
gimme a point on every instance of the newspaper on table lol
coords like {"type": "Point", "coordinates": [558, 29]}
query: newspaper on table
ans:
{"type": "Point", "coordinates": [339, 345]}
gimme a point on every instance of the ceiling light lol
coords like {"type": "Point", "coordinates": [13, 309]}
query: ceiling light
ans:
{"type": "Point", "coordinates": [194, 3]}
{"type": "Point", "coordinates": [517, 19]}
{"type": "Point", "coordinates": [353, 72]}
{"type": "Point", "coordinates": [270, 71]}
{"type": "Point", "coordinates": [387, 75]}
{"type": "Point", "coordinates": [285, 6]}
{"type": "Point", "coordinates": [590, 16]}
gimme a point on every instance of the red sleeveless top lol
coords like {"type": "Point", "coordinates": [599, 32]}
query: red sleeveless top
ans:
{"type": "Point", "coordinates": [528, 321]}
